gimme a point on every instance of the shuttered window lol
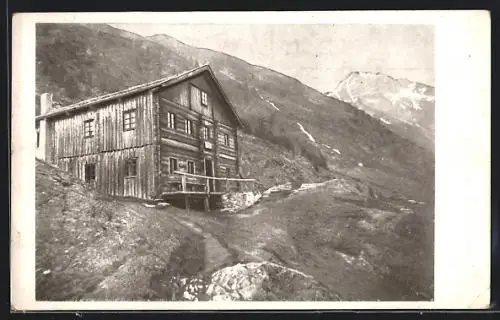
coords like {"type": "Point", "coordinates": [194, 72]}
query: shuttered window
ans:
{"type": "Point", "coordinates": [173, 165]}
{"type": "Point", "coordinates": [131, 167]}
{"type": "Point", "coordinates": [190, 167]}
{"type": "Point", "coordinates": [88, 128]}
{"type": "Point", "coordinates": [129, 120]}
{"type": "Point", "coordinates": [171, 120]}
{"type": "Point", "coordinates": [90, 172]}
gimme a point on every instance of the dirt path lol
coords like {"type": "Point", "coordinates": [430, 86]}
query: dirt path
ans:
{"type": "Point", "coordinates": [217, 254]}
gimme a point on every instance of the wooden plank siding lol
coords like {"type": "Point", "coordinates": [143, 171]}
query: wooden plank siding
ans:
{"type": "Point", "coordinates": [110, 171]}
{"type": "Point", "coordinates": [178, 144]}
{"type": "Point", "coordinates": [111, 146]}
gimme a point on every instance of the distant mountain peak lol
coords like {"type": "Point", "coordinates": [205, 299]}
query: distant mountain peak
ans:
{"type": "Point", "coordinates": [396, 102]}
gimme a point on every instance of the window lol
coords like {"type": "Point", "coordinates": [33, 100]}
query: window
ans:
{"type": "Point", "coordinates": [226, 171]}
{"type": "Point", "coordinates": [191, 167]}
{"type": "Point", "coordinates": [88, 128]}
{"type": "Point", "coordinates": [173, 165]}
{"type": "Point", "coordinates": [129, 120]}
{"type": "Point", "coordinates": [226, 139]}
{"type": "Point", "coordinates": [188, 124]}
{"type": "Point", "coordinates": [207, 133]}
{"type": "Point", "coordinates": [89, 172]}
{"type": "Point", "coordinates": [171, 120]}
{"type": "Point", "coordinates": [37, 137]}
{"type": "Point", "coordinates": [131, 167]}
{"type": "Point", "coordinates": [204, 98]}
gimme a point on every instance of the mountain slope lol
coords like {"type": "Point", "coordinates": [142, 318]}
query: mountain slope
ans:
{"type": "Point", "coordinates": [404, 106]}
{"type": "Point", "coordinates": [77, 62]}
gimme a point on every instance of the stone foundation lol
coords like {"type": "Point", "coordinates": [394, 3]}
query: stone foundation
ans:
{"type": "Point", "coordinates": [233, 202]}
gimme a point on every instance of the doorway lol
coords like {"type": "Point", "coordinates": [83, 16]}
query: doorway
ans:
{"type": "Point", "coordinates": [209, 172]}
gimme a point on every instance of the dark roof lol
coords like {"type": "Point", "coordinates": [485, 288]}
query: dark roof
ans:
{"type": "Point", "coordinates": [164, 82]}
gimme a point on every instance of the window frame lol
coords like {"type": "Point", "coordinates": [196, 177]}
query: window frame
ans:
{"type": "Point", "coordinates": [194, 166]}
{"type": "Point", "coordinates": [131, 125]}
{"type": "Point", "coordinates": [203, 98]}
{"type": "Point", "coordinates": [206, 133]}
{"type": "Point", "coordinates": [170, 171]}
{"type": "Point", "coordinates": [128, 166]}
{"type": "Point", "coordinates": [171, 120]}
{"type": "Point", "coordinates": [86, 173]}
{"type": "Point", "coordinates": [88, 128]}
{"type": "Point", "coordinates": [225, 170]}
{"type": "Point", "coordinates": [189, 127]}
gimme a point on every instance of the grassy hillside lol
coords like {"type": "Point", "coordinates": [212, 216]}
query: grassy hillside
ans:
{"type": "Point", "coordinates": [77, 62]}
{"type": "Point", "coordinates": [91, 247]}
{"type": "Point", "coordinates": [352, 239]}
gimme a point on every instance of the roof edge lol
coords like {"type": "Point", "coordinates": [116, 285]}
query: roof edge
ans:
{"type": "Point", "coordinates": [163, 82]}
{"type": "Point", "coordinates": [125, 92]}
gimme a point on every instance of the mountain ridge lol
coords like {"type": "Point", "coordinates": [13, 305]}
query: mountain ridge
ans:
{"type": "Point", "coordinates": [378, 73]}
{"type": "Point", "coordinates": [155, 36]}
{"type": "Point", "coordinates": [404, 106]}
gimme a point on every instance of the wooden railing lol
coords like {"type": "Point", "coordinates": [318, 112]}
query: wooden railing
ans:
{"type": "Point", "coordinates": [242, 184]}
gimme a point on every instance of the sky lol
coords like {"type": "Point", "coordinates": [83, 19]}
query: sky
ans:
{"type": "Point", "coordinates": [319, 55]}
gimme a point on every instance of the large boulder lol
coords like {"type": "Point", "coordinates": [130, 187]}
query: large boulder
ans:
{"type": "Point", "coordinates": [236, 201]}
{"type": "Point", "coordinates": [264, 281]}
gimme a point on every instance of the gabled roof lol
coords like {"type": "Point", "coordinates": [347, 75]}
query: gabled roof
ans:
{"type": "Point", "coordinates": [160, 83]}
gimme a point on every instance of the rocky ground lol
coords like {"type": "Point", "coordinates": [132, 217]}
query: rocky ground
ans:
{"type": "Point", "coordinates": [335, 240]}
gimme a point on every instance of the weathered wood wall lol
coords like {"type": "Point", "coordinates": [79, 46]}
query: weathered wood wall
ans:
{"type": "Point", "coordinates": [110, 146]}
{"type": "Point", "coordinates": [68, 135]}
{"type": "Point", "coordinates": [186, 94]}
{"type": "Point", "coordinates": [178, 144]}
{"type": "Point", "coordinates": [110, 171]}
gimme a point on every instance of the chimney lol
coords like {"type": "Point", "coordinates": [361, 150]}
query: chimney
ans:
{"type": "Point", "coordinates": [45, 103]}
{"type": "Point", "coordinates": [43, 148]}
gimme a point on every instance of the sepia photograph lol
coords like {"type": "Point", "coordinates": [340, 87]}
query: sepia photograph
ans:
{"type": "Point", "coordinates": [263, 162]}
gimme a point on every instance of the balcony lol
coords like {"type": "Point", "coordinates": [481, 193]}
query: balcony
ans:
{"type": "Point", "coordinates": [192, 184]}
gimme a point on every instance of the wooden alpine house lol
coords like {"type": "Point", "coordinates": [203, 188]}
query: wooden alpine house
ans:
{"type": "Point", "coordinates": [175, 138]}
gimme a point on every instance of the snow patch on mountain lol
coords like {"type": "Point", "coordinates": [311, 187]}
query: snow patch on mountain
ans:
{"type": "Point", "coordinates": [311, 138]}
{"type": "Point", "coordinates": [272, 104]}
{"type": "Point", "coordinates": [412, 94]}
{"type": "Point", "coordinates": [268, 101]}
